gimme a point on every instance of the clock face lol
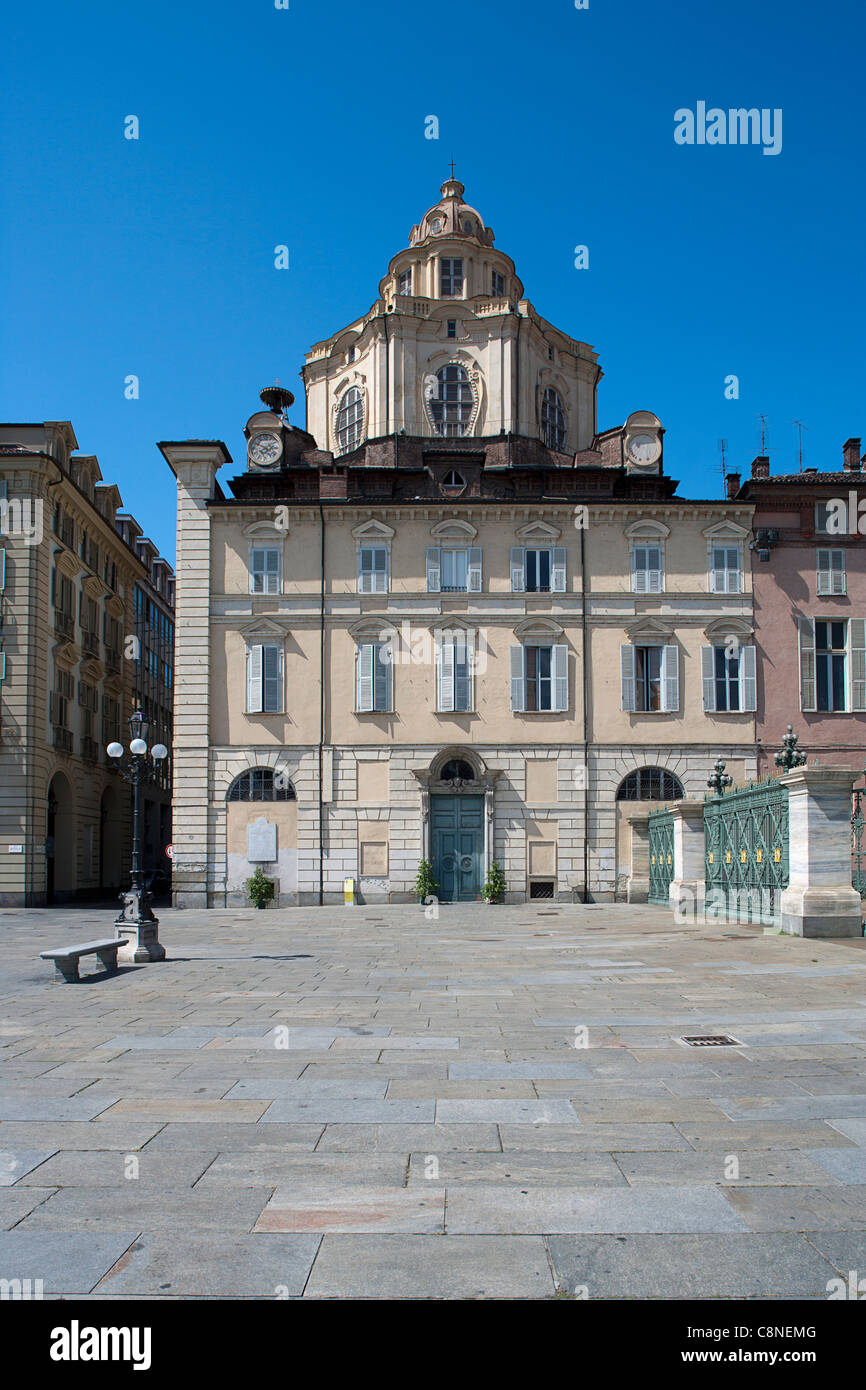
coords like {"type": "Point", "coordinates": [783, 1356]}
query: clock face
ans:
{"type": "Point", "coordinates": [265, 449]}
{"type": "Point", "coordinates": [644, 448]}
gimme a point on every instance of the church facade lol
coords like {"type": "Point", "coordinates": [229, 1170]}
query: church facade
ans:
{"type": "Point", "coordinates": [450, 619]}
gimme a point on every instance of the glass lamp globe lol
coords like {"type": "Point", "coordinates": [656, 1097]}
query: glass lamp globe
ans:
{"type": "Point", "coordinates": [115, 750]}
{"type": "Point", "coordinates": [138, 745]}
{"type": "Point", "coordinates": [159, 751]}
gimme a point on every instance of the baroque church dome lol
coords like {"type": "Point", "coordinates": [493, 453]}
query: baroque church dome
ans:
{"type": "Point", "coordinates": [451, 216]}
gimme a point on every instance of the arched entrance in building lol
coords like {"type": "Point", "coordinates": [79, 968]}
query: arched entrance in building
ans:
{"type": "Point", "coordinates": [60, 876]}
{"type": "Point", "coordinates": [457, 804]}
{"type": "Point", "coordinates": [640, 791]}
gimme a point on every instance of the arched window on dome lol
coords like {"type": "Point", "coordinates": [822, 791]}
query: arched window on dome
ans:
{"type": "Point", "coordinates": [260, 784]}
{"type": "Point", "coordinates": [452, 404]}
{"type": "Point", "coordinates": [350, 421]}
{"type": "Point", "coordinates": [553, 423]}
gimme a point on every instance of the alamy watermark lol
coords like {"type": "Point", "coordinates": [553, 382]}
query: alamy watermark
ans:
{"type": "Point", "coordinates": [737, 126]}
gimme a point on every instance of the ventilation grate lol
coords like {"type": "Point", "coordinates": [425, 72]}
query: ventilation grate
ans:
{"type": "Point", "coordinates": [542, 888]}
{"type": "Point", "coordinates": [711, 1040]}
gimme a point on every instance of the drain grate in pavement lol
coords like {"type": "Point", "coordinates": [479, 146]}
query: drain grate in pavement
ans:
{"type": "Point", "coordinates": [711, 1040]}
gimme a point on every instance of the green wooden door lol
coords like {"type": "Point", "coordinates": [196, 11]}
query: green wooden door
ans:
{"type": "Point", "coordinates": [457, 846]}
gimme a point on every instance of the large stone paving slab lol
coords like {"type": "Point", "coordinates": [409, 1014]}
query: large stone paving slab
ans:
{"type": "Point", "coordinates": [67, 1263]}
{"type": "Point", "coordinates": [370, 1104]}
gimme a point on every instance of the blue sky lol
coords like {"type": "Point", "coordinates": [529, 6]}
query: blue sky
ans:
{"type": "Point", "coordinates": [305, 126]}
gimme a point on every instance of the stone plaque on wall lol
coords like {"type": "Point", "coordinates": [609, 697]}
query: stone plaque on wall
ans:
{"type": "Point", "coordinates": [374, 859]}
{"type": "Point", "coordinates": [261, 841]}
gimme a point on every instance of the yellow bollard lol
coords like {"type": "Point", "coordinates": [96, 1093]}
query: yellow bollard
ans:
{"type": "Point", "coordinates": [349, 892]}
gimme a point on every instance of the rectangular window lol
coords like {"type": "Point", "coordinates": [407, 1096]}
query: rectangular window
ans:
{"type": "Point", "coordinates": [404, 282]}
{"type": "Point", "coordinates": [539, 678]}
{"type": "Point", "coordinates": [729, 679]}
{"type": "Point", "coordinates": [264, 679]}
{"type": "Point", "coordinates": [451, 277]}
{"type": "Point", "coordinates": [831, 571]}
{"type": "Point", "coordinates": [726, 570]}
{"type": "Point", "coordinates": [822, 514]}
{"type": "Point", "coordinates": [647, 569]}
{"type": "Point", "coordinates": [264, 570]}
{"type": "Point", "coordinates": [538, 571]}
{"type": "Point", "coordinates": [454, 571]}
{"type": "Point", "coordinates": [498, 284]}
{"type": "Point", "coordinates": [452, 328]}
{"type": "Point", "coordinates": [830, 661]}
{"type": "Point", "coordinates": [454, 672]}
{"type": "Point", "coordinates": [373, 569]}
{"type": "Point", "coordinates": [373, 677]}
{"type": "Point", "coordinates": [650, 678]}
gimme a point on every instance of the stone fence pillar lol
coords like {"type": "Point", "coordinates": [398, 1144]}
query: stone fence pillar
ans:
{"type": "Point", "coordinates": [689, 867]}
{"type": "Point", "coordinates": [819, 899]}
{"type": "Point", "coordinates": [638, 884]}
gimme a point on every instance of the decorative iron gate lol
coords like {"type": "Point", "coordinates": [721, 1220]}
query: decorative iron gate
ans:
{"type": "Point", "coordinates": [747, 851]}
{"type": "Point", "coordinates": [661, 855]}
{"type": "Point", "coordinates": [858, 853]}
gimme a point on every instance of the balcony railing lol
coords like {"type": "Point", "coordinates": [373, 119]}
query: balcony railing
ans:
{"type": "Point", "coordinates": [64, 623]}
{"type": "Point", "coordinates": [90, 643]}
{"type": "Point", "coordinates": [112, 658]}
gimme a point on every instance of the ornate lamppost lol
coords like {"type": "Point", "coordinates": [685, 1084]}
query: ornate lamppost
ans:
{"type": "Point", "coordinates": [136, 922]}
{"type": "Point", "coordinates": [789, 755]}
{"type": "Point", "coordinates": [719, 779]}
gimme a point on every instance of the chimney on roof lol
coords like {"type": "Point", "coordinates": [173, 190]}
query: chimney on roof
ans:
{"type": "Point", "coordinates": [761, 466]}
{"type": "Point", "coordinates": [732, 485]}
{"type": "Point", "coordinates": [851, 455]}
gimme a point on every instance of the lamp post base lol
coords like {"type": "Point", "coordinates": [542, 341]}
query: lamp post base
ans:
{"type": "Point", "coordinates": [138, 929]}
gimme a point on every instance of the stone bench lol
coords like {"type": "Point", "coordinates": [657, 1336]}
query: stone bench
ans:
{"type": "Point", "coordinates": [66, 958]}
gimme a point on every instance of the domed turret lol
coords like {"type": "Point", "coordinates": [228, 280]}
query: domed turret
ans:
{"type": "Point", "coordinates": [452, 216]}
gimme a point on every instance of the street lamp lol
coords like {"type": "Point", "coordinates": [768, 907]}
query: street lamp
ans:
{"type": "Point", "coordinates": [136, 922]}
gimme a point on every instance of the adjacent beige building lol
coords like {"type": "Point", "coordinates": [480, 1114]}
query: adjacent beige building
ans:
{"type": "Point", "coordinates": [79, 586]}
{"type": "Point", "coordinates": [450, 619]}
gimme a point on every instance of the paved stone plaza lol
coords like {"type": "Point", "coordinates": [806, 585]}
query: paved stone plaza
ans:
{"type": "Point", "coordinates": [363, 1103]}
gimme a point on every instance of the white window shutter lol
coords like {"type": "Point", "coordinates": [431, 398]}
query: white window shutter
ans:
{"type": "Point", "coordinates": [446, 673]}
{"type": "Point", "coordinates": [559, 672]}
{"type": "Point", "coordinates": [708, 677]}
{"type": "Point", "coordinates": [381, 676]}
{"type": "Point", "coordinates": [557, 570]}
{"type": "Point", "coordinates": [627, 671]}
{"type": "Point", "coordinates": [473, 570]}
{"type": "Point", "coordinates": [671, 678]}
{"type": "Point", "coordinates": [2, 568]}
{"type": "Point", "coordinates": [518, 569]}
{"type": "Point", "coordinates": [518, 683]}
{"type": "Point", "coordinates": [823, 585]}
{"type": "Point", "coordinates": [272, 682]}
{"type": "Point", "coordinates": [807, 664]}
{"type": "Point", "coordinates": [365, 676]}
{"type": "Point", "coordinates": [837, 571]}
{"type": "Point", "coordinates": [365, 577]}
{"type": "Point", "coordinates": [639, 569]}
{"type": "Point", "coordinates": [718, 575]}
{"type": "Point", "coordinates": [654, 578]}
{"type": "Point", "coordinates": [433, 569]}
{"type": "Point", "coordinates": [857, 629]}
{"type": "Point", "coordinates": [2, 666]}
{"type": "Point", "coordinates": [748, 678]}
{"type": "Point", "coordinates": [254, 680]}
{"type": "Point", "coordinates": [380, 571]}
{"type": "Point", "coordinates": [465, 657]}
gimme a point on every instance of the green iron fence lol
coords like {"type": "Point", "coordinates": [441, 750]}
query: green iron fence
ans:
{"type": "Point", "coordinates": [661, 855]}
{"type": "Point", "coordinates": [747, 851]}
{"type": "Point", "coordinates": [858, 853]}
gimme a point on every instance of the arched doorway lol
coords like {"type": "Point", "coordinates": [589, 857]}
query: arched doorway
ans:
{"type": "Point", "coordinates": [640, 791]}
{"type": "Point", "coordinates": [60, 875]}
{"type": "Point", "coordinates": [459, 807]}
{"type": "Point", "coordinates": [261, 832]}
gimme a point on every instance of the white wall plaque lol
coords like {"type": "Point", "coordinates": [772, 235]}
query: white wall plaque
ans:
{"type": "Point", "coordinates": [261, 841]}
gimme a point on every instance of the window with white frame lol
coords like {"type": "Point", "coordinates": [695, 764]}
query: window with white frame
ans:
{"type": "Point", "coordinates": [497, 286]}
{"type": "Point", "coordinates": [264, 678]}
{"type": "Point", "coordinates": [373, 569]}
{"type": "Point", "coordinates": [728, 677]}
{"type": "Point", "coordinates": [725, 570]}
{"type": "Point", "coordinates": [538, 570]}
{"type": "Point", "coordinates": [554, 427]}
{"type": "Point", "coordinates": [404, 282]}
{"type": "Point", "coordinates": [372, 677]}
{"type": "Point", "coordinates": [453, 570]}
{"type": "Point", "coordinates": [452, 403]}
{"type": "Point", "coordinates": [647, 573]}
{"type": "Point", "coordinates": [831, 571]}
{"type": "Point", "coordinates": [350, 421]}
{"type": "Point", "coordinates": [454, 664]}
{"type": "Point", "coordinates": [539, 677]}
{"type": "Point", "coordinates": [265, 569]}
{"type": "Point", "coordinates": [832, 664]}
{"type": "Point", "coordinates": [451, 276]}
{"type": "Point", "coordinates": [650, 677]}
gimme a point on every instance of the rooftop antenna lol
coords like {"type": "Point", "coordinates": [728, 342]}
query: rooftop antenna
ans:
{"type": "Point", "coordinates": [764, 433]}
{"type": "Point", "coordinates": [800, 428]}
{"type": "Point", "coordinates": [723, 450]}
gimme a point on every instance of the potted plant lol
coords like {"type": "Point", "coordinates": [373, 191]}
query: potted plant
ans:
{"type": "Point", "coordinates": [425, 883]}
{"type": "Point", "coordinates": [260, 889]}
{"type": "Point", "coordinates": [495, 886]}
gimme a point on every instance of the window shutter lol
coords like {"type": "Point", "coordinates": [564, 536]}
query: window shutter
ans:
{"type": "Point", "coordinates": [858, 663]}
{"type": "Point", "coordinates": [473, 578]}
{"type": "Point", "coordinates": [748, 678]}
{"type": "Point", "coordinates": [557, 570]}
{"type": "Point", "coordinates": [837, 571]}
{"type": "Point", "coordinates": [2, 568]}
{"type": "Point", "coordinates": [559, 672]}
{"type": "Point", "coordinates": [671, 678]}
{"type": "Point", "coordinates": [823, 572]}
{"type": "Point", "coordinates": [807, 664]}
{"type": "Point", "coordinates": [446, 673]}
{"type": "Point", "coordinates": [272, 692]}
{"type": "Point", "coordinates": [365, 576]}
{"type": "Point", "coordinates": [518, 569]}
{"type": "Point", "coordinates": [626, 664]}
{"type": "Point", "coordinates": [719, 576]}
{"type": "Point", "coordinates": [433, 568]}
{"type": "Point", "coordinates": [654, 576]}
{"type": "Point", "coordinates": [380, 571]}
{"type": "Point", "coordinates": [365, 676]}
{"type": "Point", "coordinates": [381, 675]}
{"type": "Point", "coordinates": [254, 680]}
{"type": "Point", "coordinates": [639, 569]}
{"type": "Point", "coordinates": [518, 685]}
{"type": "Point", "coordinates": [2, 666]}
{"type": "Point", "coordinates": [464, 655]}
{"type": "Point", "coordinates": [708, 677]}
